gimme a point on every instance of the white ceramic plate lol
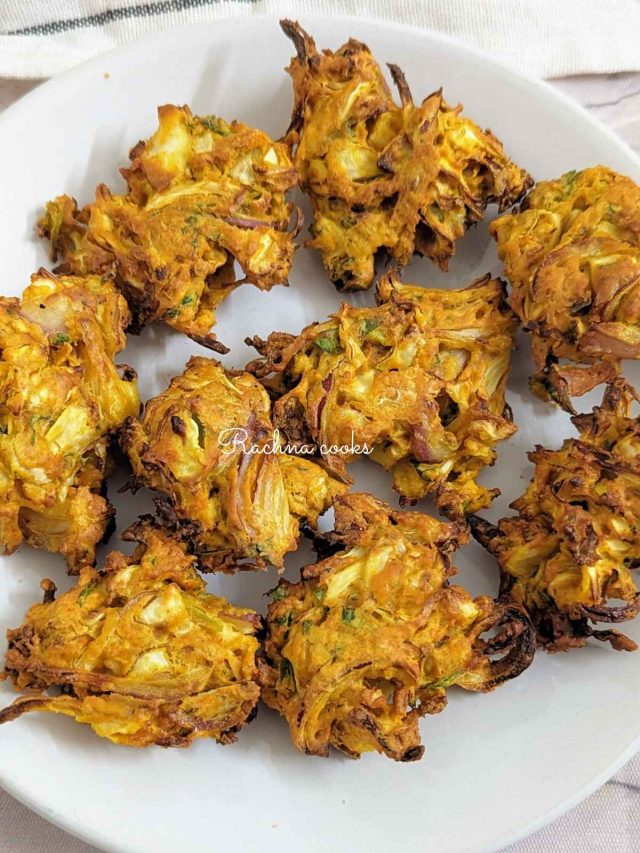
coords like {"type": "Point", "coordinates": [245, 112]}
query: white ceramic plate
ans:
{"type": "Point", "coordinates": [496, 766]}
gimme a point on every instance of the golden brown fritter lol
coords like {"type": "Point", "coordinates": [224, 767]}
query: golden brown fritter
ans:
{"type": "Point", "coordinates": [194, 444]}
{"type": "Point", "coordinates": [420, 379]}
{"type": "Point", "coordinates": [201, 193]}
{"type": "Point", "coordinates": [140, 651]}
{"type": "Point", "coordinates": [402, 180]}
{"type": "Point", "coordinates": [575, 541]}
{"type": "Point", "coordinates": [572, 254]}
{"type": "Point", "coordinates": [366, 643]}
{"type": "Point", "coordinates": [61, 396]}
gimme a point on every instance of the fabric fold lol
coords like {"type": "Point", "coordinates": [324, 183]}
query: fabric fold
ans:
{"type": "Point", "coordinates": [544, 38]}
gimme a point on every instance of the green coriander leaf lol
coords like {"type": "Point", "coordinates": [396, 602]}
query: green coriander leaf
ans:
{"type": "Point", "coordinates": [348, 614]}
{"type": "Point", "coordinates": [329, 342]}
{"type": "Point", "coordinates": [278, 593]}
{"type": "Point", "coordinates": [369, 325]}
{"type": "Point", "coordinates": [286, 668]}
{"type": "Point", "coordinates": [86, 591]}
{"type": "Point", "coordinates": [214, 124]}
{"type": "Point", "coordinates": [201, 429]}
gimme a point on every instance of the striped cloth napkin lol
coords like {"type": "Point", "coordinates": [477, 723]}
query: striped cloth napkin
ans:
{"type": "Point", "coordinates": [547, 38]}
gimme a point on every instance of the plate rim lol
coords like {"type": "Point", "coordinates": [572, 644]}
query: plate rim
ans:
{"type": "Point", "coordinates": [50, 86]}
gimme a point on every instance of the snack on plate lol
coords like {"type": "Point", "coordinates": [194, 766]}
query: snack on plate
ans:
{"type": "Point", "coordinates": [384, 178]}
{"type": "Point", "coordinates": [575, 542]}
{"type": "Point", "coordinates": [367, 641]}
{"type": "Point", "coordinates": [420, 380]}
{"type": "Point", "coordinates": [201, 194]}
{"type": "Point", "coordinates": [208, 444]}
{"type": "Point", "coordinates": [572, 254]}
{"type": "Point", "coordinates": [139, 651]}
{"type": "Point", "coordinates": [62, 398]}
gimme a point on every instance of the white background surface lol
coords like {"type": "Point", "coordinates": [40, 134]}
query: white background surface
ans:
{"type": "Point", "coordinates": [608, 820]}
{"type": "Point", "coordinates": [544, 38]}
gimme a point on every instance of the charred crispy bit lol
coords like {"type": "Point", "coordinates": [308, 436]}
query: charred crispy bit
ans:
{"type": "Point", "coordinates": [139, 651]}
{"type": "Point", "coordinates": [61, 397]}
{"type": "Point", "coordinates": [209, 445]}
{"type": "Point", "coordinates": [385, 178]}
{"type": "Point", "coordinates": [419, 380]}
{"type": "Point", "coordinates": [572, 254]}
{"type": "Point", "coordinates": [366, 643]}
{"type": "Point", "coordinates": [570, 551]}
{"type": "Point", "coordinates": [201, 193]}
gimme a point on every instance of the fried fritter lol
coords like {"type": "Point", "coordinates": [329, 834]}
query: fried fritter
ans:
{"type": "Point", "coordinates": [366, 643]}
{"type": "Point", "coordinates": [141, 652]}
{"type": "Point", "coordinates": [201, 193]}
{"type": "Point", "coordinates": [572, 254]}
{"type": "Point", "coordinates": [61, 397]}
{"type": "Point", "coordinates": [209, 445]}
{"type": "Point", "coordinates": [575, 541]}
{"type": "Point", "coordinates": [420, 380]}
{"type": "Point", "coordinates": [402, 180]}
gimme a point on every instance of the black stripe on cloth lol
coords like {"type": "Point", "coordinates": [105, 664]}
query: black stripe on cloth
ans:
{"type": "Point", "coordinates": [110, 16]}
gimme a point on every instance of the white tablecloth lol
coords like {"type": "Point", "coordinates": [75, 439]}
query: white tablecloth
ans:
{"type": "Point", "coordinates": [609, 820]}
{"type": "Point", "coordinates": [548, 38]}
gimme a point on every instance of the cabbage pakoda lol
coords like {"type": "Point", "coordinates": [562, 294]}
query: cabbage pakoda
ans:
{"type": "Point", "coordinates": [575, 542]}
{"type": "Point", "coordinates": [366, 643]}
{"type": "Point", "coordinates": [209, 445]}
{"type": "Point", "coordinates": [61, 398]}
{"type": "Point", "coordinates": [572, 255]}
{"type": "Point", "coordinates": [384, 178]}
{"type": "Point", "coordinates": [201, 194]}
{"type": "Point", "coordinates": [139, 651]}
{"type": "Point", "coordinates": [418, 382]}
